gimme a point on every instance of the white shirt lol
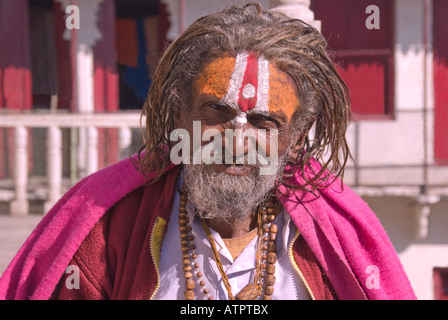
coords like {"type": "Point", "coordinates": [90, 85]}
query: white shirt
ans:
{"type": "Point", "coordinates": [240, 272]}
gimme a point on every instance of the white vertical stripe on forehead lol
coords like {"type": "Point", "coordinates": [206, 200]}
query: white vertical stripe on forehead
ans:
{"type": "Point", "coordinates": [236, 80]}
{"type": "Point", "coordinates": [263, 85]}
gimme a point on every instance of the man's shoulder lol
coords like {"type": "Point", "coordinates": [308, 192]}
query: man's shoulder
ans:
{"type": "Point", "coordinates": [145, 203]}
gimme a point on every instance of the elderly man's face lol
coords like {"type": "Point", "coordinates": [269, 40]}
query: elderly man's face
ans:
{"type": "Point", "coordinates": [244, 92]}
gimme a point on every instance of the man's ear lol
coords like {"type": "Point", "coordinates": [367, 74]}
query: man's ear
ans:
{"type": "Point", "coordinates": [296, 150]}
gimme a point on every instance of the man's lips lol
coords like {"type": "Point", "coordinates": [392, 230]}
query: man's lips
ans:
{"type": "Point", "coordinates": [236, 170]}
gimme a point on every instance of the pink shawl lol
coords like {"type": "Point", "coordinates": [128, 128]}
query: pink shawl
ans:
{"type": "Point", "coordinates": [341, 230]}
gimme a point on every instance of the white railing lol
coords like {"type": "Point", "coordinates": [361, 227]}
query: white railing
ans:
{"type": "Point", "coordinates": [87, 124]}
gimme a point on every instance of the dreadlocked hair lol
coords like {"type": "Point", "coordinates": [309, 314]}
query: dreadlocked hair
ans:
{"type": "Point", "coordinates": [295, 48]}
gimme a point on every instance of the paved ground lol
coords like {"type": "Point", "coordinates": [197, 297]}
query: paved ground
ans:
{"type": "Point", "coordinates": [13, 232]}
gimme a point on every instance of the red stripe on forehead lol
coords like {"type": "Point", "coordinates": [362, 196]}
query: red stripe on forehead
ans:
{"type": "Point", "coordinates": [247, 96]}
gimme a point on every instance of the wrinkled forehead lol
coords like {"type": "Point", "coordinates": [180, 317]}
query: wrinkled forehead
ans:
{"type": "Point", "coordinates": [249, 82]}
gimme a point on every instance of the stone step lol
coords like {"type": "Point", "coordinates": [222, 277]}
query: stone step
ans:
{"type": "Point", "coordinates": [13, 233]}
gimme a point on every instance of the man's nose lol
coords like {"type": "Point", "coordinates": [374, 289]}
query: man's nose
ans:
{"type": "Point", "coordinates": [240, 140]}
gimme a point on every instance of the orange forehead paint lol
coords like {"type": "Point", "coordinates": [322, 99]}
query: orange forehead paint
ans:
{"type": "Point", "coordinates": [250, 82]}
{"type": "Point", "coordinates": [215, 78]}
{"type": "Point", "coordinates": [282, 94]}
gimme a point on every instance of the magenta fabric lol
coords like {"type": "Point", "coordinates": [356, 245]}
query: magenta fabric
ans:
{"type": "Point", "coordinates": [35, 271]}
{"type": "Point", "coordinates": [348, 241]}
{"type": "Point", "coordinates": [341, 230]}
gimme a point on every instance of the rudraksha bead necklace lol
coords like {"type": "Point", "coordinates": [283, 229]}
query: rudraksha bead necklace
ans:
{"type": "Point", "coordinates": [266, 255]}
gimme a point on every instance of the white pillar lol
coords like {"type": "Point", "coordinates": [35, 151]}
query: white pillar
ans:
{"type": "Point", "coordinates": [125, 141]}
{"type": "Point", "coordinates": [19, 206]}
{"type": "Point", "coordinates": [296, 9]}
{"type": "Point", "coordinates": [92, 150]}
{"type": "Point", "coordinates": [54, 166]}
{"type": "Point", "coordinates": [87, 36]}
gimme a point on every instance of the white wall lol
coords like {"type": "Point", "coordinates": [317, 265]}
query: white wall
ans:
{"type": "Point", "coordinates": [401, 141]}
{"type": "Point", "coordinates": [418, 257]}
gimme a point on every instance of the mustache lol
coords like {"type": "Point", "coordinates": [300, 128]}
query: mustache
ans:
{"type": "Point", "coordinates": [213, 153]}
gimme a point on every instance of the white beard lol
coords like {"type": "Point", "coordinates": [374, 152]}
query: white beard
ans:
{"type": "Point", "coordinates": [227, 197]}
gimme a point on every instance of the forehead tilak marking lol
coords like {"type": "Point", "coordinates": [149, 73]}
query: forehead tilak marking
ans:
{"type": "Point", "coordinates": [249, 84]}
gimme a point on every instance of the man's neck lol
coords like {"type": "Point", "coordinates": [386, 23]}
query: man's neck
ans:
{"type": "Point", "coordinates": [233, 228]}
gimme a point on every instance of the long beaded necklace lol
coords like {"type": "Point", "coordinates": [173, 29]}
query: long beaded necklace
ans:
{"type": "Point", "coordinates": [266, 256]}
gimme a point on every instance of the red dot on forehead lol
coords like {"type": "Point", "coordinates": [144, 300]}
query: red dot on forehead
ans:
{"type": "Point", "coordinates": [247, 96]}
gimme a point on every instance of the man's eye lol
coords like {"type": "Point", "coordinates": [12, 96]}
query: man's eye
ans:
{"type": "Point", "coordinates": [217, 107]}
{"type": "Point", "coordinates": [263, 121]}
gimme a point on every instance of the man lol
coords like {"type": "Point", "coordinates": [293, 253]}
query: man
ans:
{"type": "Point", "coordinates": [261, 215]}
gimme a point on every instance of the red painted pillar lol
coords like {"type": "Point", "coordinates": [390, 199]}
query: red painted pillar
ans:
{"type": "Point", "coordinates": [106, 81]}
{"type": "Point", "coordinates": [15, 71]}
{"type": "Point", "coordinates": [440, 47]}
{"type": "Point", "coordinates": [15, 66]}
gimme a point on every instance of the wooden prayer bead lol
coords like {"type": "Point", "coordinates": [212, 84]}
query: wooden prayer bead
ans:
{"type": "Point", "coordinates": [266, 297]}
{"type": "Point", "coordinates": [189, 295]}
{"type": "Point", "coordinates": [273, 228]}
{"type": "Point", "coordinates": [272, 236]}
{"type": "Point", "coordinates": [186, 268]}
{"type": "Point", "coordinates": [184, 249]}
{"type": "Point", "coordinates": [272, 246]}
{"type": "Point", "coordinates": [269, 290]}
{"type": "Point", "coordinates": [183, 235]}
{"type": "Point", "coordinates": [270, 269]}
{"type": "Point", "coordinates": [182, 222]}
{"type": "Point", "coordinates": [270, 280]}
{"type": "Point", "coordinates": [272, 257]}
{"type": "Point", "coordinates": [188, 275]}
{"type": "Point", "coordinates": [185, 261]}
{"type": "Point", "coordinates": [189, 284]}
{"type": "Point", "coordinates": [249, 292]}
